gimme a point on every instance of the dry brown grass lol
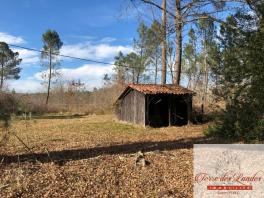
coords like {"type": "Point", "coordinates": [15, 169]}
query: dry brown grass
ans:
{"type": "Point", "coordinates": [94, 156]}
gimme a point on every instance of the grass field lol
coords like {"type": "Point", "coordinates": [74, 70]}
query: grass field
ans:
{"type": "Point", "coordinates": [94, 156]}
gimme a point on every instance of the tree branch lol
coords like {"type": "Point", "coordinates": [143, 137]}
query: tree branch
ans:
{"type": "Point", "coordinates": [157, 6]}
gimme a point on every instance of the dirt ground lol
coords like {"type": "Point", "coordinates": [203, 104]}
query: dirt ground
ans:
{"type": "Point", "coordinates": [95, 156]}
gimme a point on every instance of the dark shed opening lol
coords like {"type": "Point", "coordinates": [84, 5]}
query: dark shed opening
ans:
{"type": "Point", "coordinates": [155, 105]}
{"type": "Point", "coordinates": [158, 113]}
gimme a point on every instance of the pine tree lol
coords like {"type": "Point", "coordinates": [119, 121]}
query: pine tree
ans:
{"type": "Point", "coordinates": [51, 48]}
{"type": "Point", "coordinates": [207, 32]}
{"type": "Point", "coordinates": [141, 58]}
{"type": "Point", "coordinates": [190, 56]}
{"type": "Point", "coordinates": [9, 62]}
{"type": "Point", "coordinates": [120, 69]}
{"type": "Point", "coordinates": [154, 42]}
{"type": "Point", "coordinates": [241, 77]}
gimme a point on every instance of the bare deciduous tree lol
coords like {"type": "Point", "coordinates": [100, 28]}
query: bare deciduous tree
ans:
{"type": "Point", "coordinates": [187, 12]}
{"type": "Point", "coordinates": [164, 43]}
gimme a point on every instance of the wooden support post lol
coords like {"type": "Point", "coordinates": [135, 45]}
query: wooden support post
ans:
{"type": "Point", "coordinates": [169, 110]}
{"type": "Point", "coordinates": [189, 109]}
{"type": "Point", "coordinates": [146, 110]}
{"type": "Point", "coordinates": [135, 107]}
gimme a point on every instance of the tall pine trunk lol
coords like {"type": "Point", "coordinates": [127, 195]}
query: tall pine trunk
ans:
{"type": "Point", "coordinates": [156, 66]}
{"type": "Point", "coordinates": [138, 74]}
{"type": "Point", "coordinates": [178, 59]}
{"type": "Point", "coordinates": [2, 77]}
{"type": "Point", "coordinates": [133, 76]}
{"type": "Point", "coordinates": [171, 72]}
{"type": "Point", "coordinates": [189, 85]}
{"type": "Point", "coordinates": [49, 78]}
{"type": "Point", "coordinates": [164, 43]}
{"type": "Point", "coordinates": [204, 98]}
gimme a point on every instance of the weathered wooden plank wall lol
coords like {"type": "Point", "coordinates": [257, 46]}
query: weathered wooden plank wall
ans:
{"type": "Point", "coordinates": [132, 108]}
{"type": "Point", "coordinates": [140, 108]}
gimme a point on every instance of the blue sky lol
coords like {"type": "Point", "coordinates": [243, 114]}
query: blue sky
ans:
{"type": "Point", "coordinates": [89, 29]}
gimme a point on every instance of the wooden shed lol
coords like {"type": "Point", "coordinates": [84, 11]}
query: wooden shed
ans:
{"type": "Point", "coordinates": [155, 105]}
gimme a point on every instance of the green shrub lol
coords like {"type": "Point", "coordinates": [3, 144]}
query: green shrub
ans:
{"type": "Point", "coordinates": [241, 121]}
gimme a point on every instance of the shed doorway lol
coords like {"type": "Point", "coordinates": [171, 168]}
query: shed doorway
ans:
{"type": "Point", "coordinates": [180, 113]}
{"type": "Point", "coordinates": [165, 111]}
{"type": "Point", "coordinates": [158, 113]}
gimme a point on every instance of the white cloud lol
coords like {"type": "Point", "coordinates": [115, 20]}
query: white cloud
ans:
{"type": "Point", "coordinates": [108, 40]}
{"type": "Point", "coordinates": [92, 51]}
{"type": "Point", "coordinates": [25, 86]}
{"type": "Point", "coordinates": [84, 37]}
{"type": "Point", "coordinates": [100, 50]}
{"type": "Point", "coordinates": [85, 72]}
{"type": "Point", "coordinates": [10, 39]}
{"type": "Point", "coordinates": [28, 57]}
{"type": "Point", "coordinates": [90, 74]}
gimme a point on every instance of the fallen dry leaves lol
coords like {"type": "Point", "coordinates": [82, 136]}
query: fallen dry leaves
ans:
{"type": "Point", "coordinates": [95, 156]}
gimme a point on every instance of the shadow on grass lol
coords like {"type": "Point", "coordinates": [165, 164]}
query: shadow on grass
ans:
{"type": "Point", "coordinates": [58, 116]}
{"type": "Point", "coordinates": [61, 157]}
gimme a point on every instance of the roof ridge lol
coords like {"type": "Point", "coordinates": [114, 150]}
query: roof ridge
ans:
{"type": "Point", "coordinates": [157, 88]}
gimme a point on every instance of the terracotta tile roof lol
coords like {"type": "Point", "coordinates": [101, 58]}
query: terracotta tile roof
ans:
{"type": "Point", "coordinates": [160, 89]}
{"type": "Point", "coordinates": [156, 89]}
